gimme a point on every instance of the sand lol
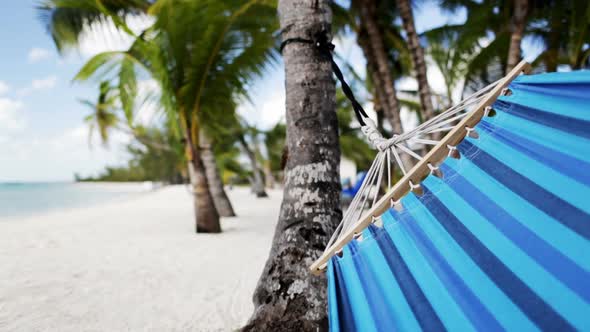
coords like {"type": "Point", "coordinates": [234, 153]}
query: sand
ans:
{"type": "Point", "coordinates": [134, 265]}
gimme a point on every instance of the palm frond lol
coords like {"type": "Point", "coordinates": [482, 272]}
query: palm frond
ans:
{"type": "Point", "coordinates": [66, 20]}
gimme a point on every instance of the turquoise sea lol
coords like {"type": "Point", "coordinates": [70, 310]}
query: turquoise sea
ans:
{"type": "Point", "coordinates": [26, 199]}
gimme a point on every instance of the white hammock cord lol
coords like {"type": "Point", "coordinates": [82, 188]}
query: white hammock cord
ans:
{"type": "Point", "coordinates": [440, 123]}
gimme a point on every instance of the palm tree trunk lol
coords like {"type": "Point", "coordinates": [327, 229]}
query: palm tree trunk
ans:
{"type": "Point", "coordinates": [258, 178]}
{"type": "Point", "coordinates": [207, 218]}
{"type": "Point", "coordinates": [371, 41]}
{"type": "Point", "coordinates": [518, 25]}
{"type": "Point", "coordinates": [269, 178]}
{"type": "Point", "coordinates": [288, 297]}
{"type": "Point", "coordinates": [417, 53]}
{"type": "Point", "coordinates": [376, 54]}
{"type": "Point", "coordinates": [222, 203]}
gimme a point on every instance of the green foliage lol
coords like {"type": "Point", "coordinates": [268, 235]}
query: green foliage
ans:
{"type": "Point", "coordinates": [563, 27]}
{"type": "Point", "coordinates": [65, 20]}
{"type": "Point", "coordinates": [451, 54]}
{"type": "Point", "coordinates": [102, 117]}
{"type": "Point", "coordinates": [203, 55]}
{"type": "Point", "coordinates": [275, 140]}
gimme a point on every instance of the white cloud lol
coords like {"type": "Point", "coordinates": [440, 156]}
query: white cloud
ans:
{"type": "Point", "coordinates": [37, 54]}
{"type": "Point", "coordinates": [62, 154]}
{"type": "Point", "coordinates": [10, 117]}
{"type": "Point", "coordinates": [4, 87]}
{"type": "Point", "coordinates": [45, 83]}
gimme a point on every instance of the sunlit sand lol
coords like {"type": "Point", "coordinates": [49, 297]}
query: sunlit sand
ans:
{"type": "Point", "coordinates": [134, 265]}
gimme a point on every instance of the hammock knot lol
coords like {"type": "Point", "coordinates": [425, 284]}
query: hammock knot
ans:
{"type": "Point", "coordinates": [374, 136]}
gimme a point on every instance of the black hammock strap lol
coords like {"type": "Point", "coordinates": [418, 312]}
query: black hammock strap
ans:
{"type": "Point", "coordinates": [322, 43]}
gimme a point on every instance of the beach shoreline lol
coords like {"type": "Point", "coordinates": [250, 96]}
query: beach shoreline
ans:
{"type": "Point", "coordinates": [134, 265]}
{"type": "Point", "coordinates": [26, 200]}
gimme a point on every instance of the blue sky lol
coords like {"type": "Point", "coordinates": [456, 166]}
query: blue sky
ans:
{"type": "Point", "coordinates": [42, 133]}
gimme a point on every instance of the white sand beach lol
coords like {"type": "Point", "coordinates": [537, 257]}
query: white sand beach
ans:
{"type": "Point", "coordinates": [134, 265]}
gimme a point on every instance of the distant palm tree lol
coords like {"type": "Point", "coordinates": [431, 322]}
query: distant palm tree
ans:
{"type": "Point", "coordinates": [246, 136]}
{"type": "Point", "coordinates": [220, 199]}
{"type": "Point", "coordinates": [387, 55]}
{"type": "Point", "coordinates": [417, 53]}
{"type": "Point", "coordinates": [451, 55]}
{"type": "Point", "coordinates": [372, 40]}
{"type": "Point", "coordinates": [487, 33]}
{"type": "Point", "coordinates": [231, 129]}
{"type": "Point", "coordinates": [563, 27]}
{"type": "Point", "coordinates": [103, 118]}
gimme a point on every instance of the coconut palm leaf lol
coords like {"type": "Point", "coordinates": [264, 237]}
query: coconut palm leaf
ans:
{"type": "Point", "coordinates": [66, 20]}
{"type": "Point", "coordinates": [102, 117]}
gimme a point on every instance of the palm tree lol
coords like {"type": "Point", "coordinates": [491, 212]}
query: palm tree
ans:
{"type": "Point", "coordinates": [288, 297]}
{"type": "Point", "coordinates": [222, 202]}
{"type": "Point", "coordinates": [450, 55]}
{"type": "Point", "coordinates": [417, 53]}
{"type": "Point", "coordinates": [564, 29]}
{"type": "Point", "coordinates": [489, 42]}
{"type": "Point", "coordinates": [201, 61]}
{"type": "Point", "coordinates": [252, 153]}
{"type": "Point", "coordinates": [67, 20]}
{"type": "Point", "coordinates": [372, 42]}
{"type": "Point", "coordinates": [213, 57]}
{"type": "Point", "coordinates": [103, 119]}
{"type": "Point", "coordinates": [386, 53]}
{"type": "Point", "coordinates": [233, 130]}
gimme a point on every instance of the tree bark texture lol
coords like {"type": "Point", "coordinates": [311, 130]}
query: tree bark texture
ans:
{"type": "Point", "coordinates": [288, 297]}
{"type": "Point", "coordinates": [222, 202]}
{"type": "Point", "coordinates": [207, 218]}
{"type": "Point", "coordinates": [417, 54]}
{"type": "Point", "coordinates": [518, 26]}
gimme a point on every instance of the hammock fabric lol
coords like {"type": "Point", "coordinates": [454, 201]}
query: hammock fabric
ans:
{"type": "Point", "coordinates": [501, 242]}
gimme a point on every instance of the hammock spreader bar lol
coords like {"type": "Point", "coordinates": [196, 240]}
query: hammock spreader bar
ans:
{"type": "Point", "coordinates": [422, 169]}
{"type": "Point", "coordinates": [500, 242]}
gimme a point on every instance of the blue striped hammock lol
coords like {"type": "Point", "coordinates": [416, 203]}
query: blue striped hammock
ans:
{"type": "Point", "coordinates": [500, 242]}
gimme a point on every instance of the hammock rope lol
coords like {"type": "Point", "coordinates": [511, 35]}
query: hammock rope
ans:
{"type": "Point", "coordinates": [322, 43]}
{"type": "Point", "coordinates": [458, 121]}
{"type": "Point", "coordinates": [397, 145]}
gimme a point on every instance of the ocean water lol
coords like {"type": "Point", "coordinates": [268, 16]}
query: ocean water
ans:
{"type": "Point", "coordinates": [28, 199]}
